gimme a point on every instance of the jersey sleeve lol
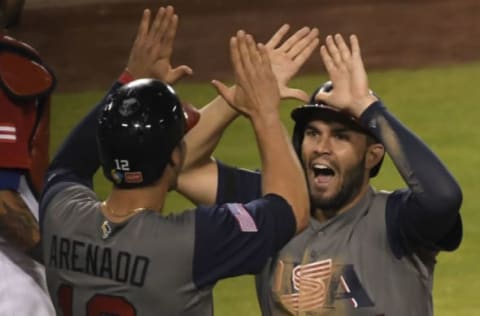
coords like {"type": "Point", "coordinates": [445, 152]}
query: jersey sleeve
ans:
{"type": "Point", "coordinates": [237, 238]}
{"type": "Point", "coordinates": [77, 160]}
{"type": "Point", "coordinates": [237, 185]}
{"type": "Point", "coordinates": [426, 214]}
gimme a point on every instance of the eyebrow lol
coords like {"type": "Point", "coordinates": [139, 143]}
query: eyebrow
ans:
{"type": "Point", "coordinates": [338, 129]}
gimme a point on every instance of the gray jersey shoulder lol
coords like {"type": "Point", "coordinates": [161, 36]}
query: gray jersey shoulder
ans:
{"type": "Point", "coordinates": [144, 263]}
{"type": "Point", "coordinates": [346, 267]}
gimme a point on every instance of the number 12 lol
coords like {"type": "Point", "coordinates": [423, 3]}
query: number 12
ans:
{"type": "Point", "coordinates": [98, 304]}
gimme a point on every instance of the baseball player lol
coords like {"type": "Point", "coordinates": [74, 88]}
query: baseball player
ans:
{"type": "Point", "coordinates": [365, 252]}
{"type": "Point", "coordinates": [26, 84]}
{"type": "Point", "coordinates": [122, 255]}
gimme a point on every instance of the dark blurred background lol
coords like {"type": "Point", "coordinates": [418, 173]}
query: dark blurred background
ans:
{"type": "Point", "coordinates": [87, 42]}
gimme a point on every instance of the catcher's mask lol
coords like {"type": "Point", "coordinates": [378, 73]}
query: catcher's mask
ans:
{"type": "Point", "coordinates": [315, 110]}
{"type": "Point", "coordinates": [24, 77]}
{"type": "Point", "coordinates": [138, 130]}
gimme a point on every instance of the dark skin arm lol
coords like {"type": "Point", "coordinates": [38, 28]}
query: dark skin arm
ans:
{"type": "Point", "coordinates": [17, 224]}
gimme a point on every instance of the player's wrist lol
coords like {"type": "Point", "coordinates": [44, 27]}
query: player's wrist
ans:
{"type": "Point", "coordinates": [363, 104]}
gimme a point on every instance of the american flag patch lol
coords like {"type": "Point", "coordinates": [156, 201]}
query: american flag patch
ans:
{"type": "Point", "coordinates": [8, 133]}
{"type": "Point", "coordinates": [244, 219]}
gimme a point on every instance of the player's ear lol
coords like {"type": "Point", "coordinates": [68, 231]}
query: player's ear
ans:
{"type": "Point", "coordinates": [178, 155]}
{"type": "Point", "coordinates": [374, 155]}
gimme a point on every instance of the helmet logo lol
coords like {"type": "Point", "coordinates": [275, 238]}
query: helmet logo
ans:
{"type": "Point", "coordinates": [134, 177]}
{"type": "Point", "coordinates": [106, 230]}
{"type": "Point", "coordinates": [128, 107]}
{"type": "Point", "coordinates": [117, 176]}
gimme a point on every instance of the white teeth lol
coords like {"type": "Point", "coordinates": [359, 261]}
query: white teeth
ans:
{"type": "Point", "coordinates": [320, 166]}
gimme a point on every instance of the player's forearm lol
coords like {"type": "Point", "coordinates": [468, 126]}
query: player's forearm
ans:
{"type": "Point", "coordinates": [282, 173]}
{"type": "Point", "coordinates": [78, 156]}
{"type": "Point", "coordinates": [17, 224]}
{"type": "Point", "coordinates": [199, 176]}
{"type": "Point", "coordinates": [202, 140]}
{"type": "Point", "coordinates": [417, 164]}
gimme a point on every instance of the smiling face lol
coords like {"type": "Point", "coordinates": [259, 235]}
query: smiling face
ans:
{"type": "Point", "coordinates": [335, 158]}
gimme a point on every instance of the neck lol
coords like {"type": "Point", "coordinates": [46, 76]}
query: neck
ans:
{"type": "Point", "coordinates": [124, 203]}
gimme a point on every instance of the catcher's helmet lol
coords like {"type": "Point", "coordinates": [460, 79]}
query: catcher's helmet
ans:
{"type": "Point", "coordinates": [138, 129]}
{"type": "Point", "coordinates": [315, 110]}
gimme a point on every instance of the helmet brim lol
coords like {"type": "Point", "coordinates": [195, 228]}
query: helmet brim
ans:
{"type": "Point", "coordinates": [323, 112]}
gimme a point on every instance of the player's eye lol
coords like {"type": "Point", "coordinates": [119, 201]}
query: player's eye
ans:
{"type": "Point", "coordinates": [342, 136]}
{"type": "Point", "coordinates": [310, 132]}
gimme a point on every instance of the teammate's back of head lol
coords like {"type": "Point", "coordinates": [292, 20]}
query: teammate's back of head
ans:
{"type": "Point", "coordinates": [137, 131]}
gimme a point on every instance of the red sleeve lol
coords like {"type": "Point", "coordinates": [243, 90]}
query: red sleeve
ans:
{"type": "Point", "coordinates": [16, 126]}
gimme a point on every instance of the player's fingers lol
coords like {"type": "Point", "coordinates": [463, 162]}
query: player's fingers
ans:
{"type": "Point", "coordinates": [295, 94]}
{"type": "Point", "coordinates": [356, 53]}
{"type": "Point", "coordinates": [264, 60]}
{"type": "Point", "coordinates": [223, 91]}
{"type": "Point", "coordinates": [323, 97]}
{"type": "Point", "coordinates": [243, 55]}
{"type": "Point", "coordinates": [165, 22]}
{"type": "Point", "coordinates": [357, 60]}
{"type": "Point", "coordinates": [327, 59]}
{"type": "Point", "coordinates": [333, 50]}
{"type": "Point", "coordinates": [301, 58]}
{"type": "Point", "coordinates": [303, 43]}
{"type": "Point", "coordinates": [236, 59]}
{"type": "Point", "coordinates": [277, 37]}
{"type": "Point", "coordinates": [263, 54]}
{"type": "Point", "coordinates": [343, 48]}
{"type": "Point", "coordinates": [143, 26]}
{"type": "Point", "coordinates": [169, 37]}
{"type": "Point", "coordinates": [159, 16]}
{"type": "Point", "coordinates": [288, 44]}
{"type": "Point", "coordinates": [178, 73]}
{"type": "Point", "coordinates": [254, 55]}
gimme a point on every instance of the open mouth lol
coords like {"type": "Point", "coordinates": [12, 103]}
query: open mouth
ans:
{"type": "Point", "coordinates": [322, 172]}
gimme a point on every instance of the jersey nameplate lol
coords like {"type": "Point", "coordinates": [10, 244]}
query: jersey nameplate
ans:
{"type": "Point", "coordinates": [104, 262]}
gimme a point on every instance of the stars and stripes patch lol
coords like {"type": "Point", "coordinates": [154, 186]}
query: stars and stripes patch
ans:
{"type": "Point", "coordinates": [8, 133]}
{"type": "Point", "coordinates": [244, 219]}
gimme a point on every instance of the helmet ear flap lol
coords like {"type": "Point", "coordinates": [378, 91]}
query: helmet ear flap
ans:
{"type": "Point", "coordinates": [297, 139]}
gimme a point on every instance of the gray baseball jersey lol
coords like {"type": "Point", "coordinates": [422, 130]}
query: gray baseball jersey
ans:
{"type": "Point", "coordinates": [153, 264]}
{"type": "Point", "coordinates": [318, 273]}
{"type": "Point", "coordinates": [376, 258]}
{"type": "Point", "coordinates": [357, 263]}
{"type": "Point", "coordinates": [150, 264]}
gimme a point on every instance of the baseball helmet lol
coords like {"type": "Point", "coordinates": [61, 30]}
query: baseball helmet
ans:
{"type": "Point", "coordinates": [315, 110]}
{"type": "Point", "coordinates": [138, 129]}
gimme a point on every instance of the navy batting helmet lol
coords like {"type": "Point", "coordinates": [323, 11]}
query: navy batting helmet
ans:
{"type": "Point", "coordinates": [315, 110]}
{"type": "Point", "coordinates": [138, 129]}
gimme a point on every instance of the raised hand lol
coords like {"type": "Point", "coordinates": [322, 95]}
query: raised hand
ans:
{"type": "Point", "coordinates": [257, 91]}
{"type": "Point", "coordinates": [347, 73]}
{"type": "Point", "coordinates": [152, 49]}
{"type": "Point", "coordinates": [288, 57]}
